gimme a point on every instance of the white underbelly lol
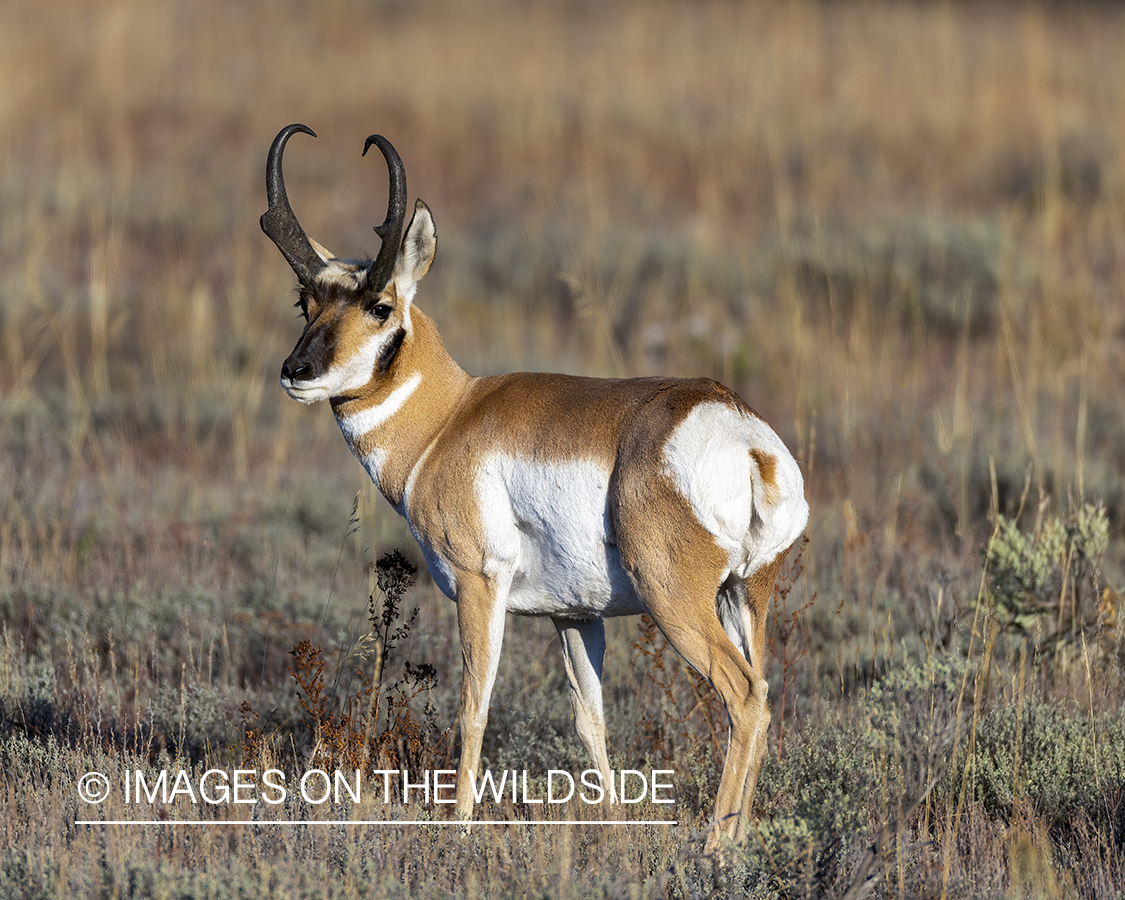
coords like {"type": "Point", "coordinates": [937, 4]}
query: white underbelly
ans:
{"type": "Point", "coordinates": [546, 584]}
{"type": "Point", "coordinates": [547, 525]}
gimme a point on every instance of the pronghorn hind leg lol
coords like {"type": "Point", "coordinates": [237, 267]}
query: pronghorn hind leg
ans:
{"type": "Point", "coordinates": [700, 639]}
{"type": "Point", "coordinates": [583, 647]}
{"type": "Point", "coordinates": [758, 596]}
{"type": "Point", "coordinates": [678, 581]}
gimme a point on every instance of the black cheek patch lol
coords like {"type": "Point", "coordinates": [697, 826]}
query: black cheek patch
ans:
{"type": "Point", "coordinates": [387, 356]}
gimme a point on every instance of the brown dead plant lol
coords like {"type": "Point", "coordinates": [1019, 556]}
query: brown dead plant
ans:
{"type": "Point", "coordinates": [374, 723]}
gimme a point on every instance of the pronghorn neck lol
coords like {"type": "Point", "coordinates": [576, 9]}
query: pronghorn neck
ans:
{"type": "Point", "coordinates": [391, 421]}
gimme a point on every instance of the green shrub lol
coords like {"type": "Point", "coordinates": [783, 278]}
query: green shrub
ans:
{"type": "Point", "coordinates": [1028, 573]}
{"type": "Point", "coordinates": [1054, 758]}
{"type": "Point", "coordinates": [848, 783]}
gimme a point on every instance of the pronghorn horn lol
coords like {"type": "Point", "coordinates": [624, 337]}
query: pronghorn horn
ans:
{"type": "Point", "coordinates": [390, 232]}
{"type": "Point", "coordinates": [278, 222]}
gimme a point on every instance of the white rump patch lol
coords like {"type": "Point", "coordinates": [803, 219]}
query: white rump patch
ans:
{"type": "Point", "coordinates": [708, 460]}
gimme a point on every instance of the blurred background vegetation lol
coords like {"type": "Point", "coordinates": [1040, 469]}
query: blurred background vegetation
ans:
{"type": "Point", "coordinates": [895, 229]}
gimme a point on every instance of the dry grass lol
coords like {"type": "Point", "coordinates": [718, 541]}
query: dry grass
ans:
{"type": "Point", "coordinates": [896, 229]}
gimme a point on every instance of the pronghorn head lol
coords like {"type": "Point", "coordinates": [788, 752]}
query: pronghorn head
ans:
{"type": "Point", "coordinates": [357, 312]}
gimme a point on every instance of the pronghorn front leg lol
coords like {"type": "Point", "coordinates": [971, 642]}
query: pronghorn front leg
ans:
{"type": "Point", "coordinates": [583, 647]}
{"type": "Point", "coordinates": [481, 602]}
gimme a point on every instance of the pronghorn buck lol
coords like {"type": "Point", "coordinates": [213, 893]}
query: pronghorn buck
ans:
{"type": "Point", "coordinates": [550, 495]}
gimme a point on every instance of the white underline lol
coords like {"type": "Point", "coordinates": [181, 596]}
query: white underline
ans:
{"type": "Point", "coordinates": [371, 822]}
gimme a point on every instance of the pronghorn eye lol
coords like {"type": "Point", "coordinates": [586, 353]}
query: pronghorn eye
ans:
{"type": "Point", "coordinates": [381, 311]}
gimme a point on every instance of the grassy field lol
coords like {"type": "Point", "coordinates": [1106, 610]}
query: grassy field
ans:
{"type": "Point", "coordinates": [898, 230]}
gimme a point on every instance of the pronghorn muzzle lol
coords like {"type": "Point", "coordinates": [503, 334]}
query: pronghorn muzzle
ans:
{"type": "Point", "coordinates": [313, 355]}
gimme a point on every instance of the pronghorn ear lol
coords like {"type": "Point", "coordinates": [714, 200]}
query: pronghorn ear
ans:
{"type": "Point", "coordinates": [416, 255]}
{"type": "Point", "coordinates": [322, 251]}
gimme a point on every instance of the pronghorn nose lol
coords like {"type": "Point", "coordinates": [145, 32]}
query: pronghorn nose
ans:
{"type": "Point", "coordinates": [294, 373]}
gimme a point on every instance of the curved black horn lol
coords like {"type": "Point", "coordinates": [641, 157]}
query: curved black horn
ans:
{"type": "Point", "coordinates": [278, 222]}
{"type": "Point", "coordinates": [390, 232]}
